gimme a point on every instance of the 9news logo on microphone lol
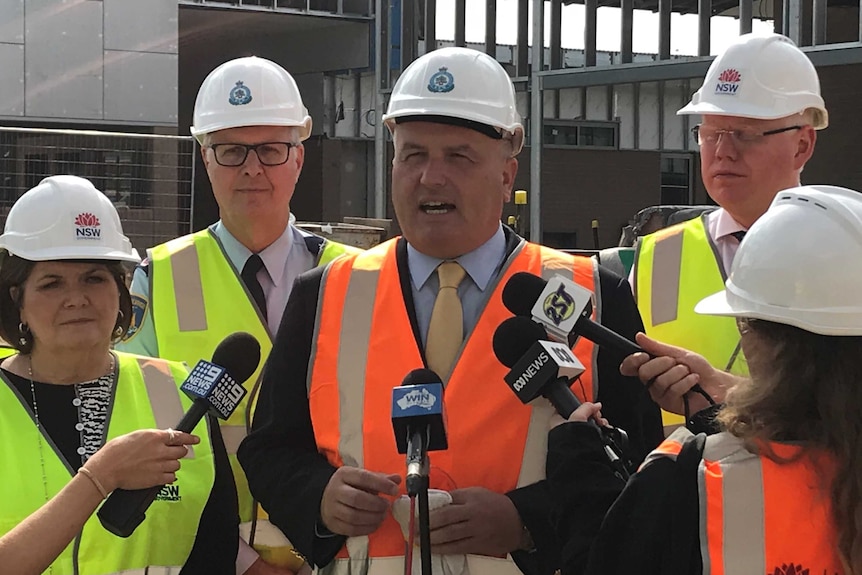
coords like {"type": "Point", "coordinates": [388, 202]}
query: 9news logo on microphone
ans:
{"type": "Point", "coordinates": [210, 381]}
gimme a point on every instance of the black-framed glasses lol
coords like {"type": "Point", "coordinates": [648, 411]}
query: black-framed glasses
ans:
{"type": "Point", "coordinates": [704, 135]}
{"type": "Point", "coordinates": [268, 153]}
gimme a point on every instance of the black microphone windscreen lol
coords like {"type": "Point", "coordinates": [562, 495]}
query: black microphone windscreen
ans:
{"type": "Point", "coordinates": [239, 354]}
{"type": "Point", "coordinates": [521, 292]}
{"type": "Point", "coordinates": [514, 337]}
{"type": "Point", "coordinates": [420, 376]}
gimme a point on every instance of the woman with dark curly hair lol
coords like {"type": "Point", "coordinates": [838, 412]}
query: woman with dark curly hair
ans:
{"type": "Point", "coordinates": [779, 491]}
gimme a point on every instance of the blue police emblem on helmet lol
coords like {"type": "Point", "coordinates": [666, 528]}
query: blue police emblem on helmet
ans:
{"type": "Point", "coordinates": [441, 81]}
{"type": "Point", "coordinates": [240, 95]}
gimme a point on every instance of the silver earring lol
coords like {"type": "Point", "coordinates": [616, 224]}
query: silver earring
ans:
{"type": "Point", "coordinates": [23, 332]}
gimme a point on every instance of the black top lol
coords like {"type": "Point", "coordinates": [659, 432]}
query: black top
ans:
{"type": "Point", "coordinates": [70, 424]}
{"type": "Point", "coordinates": [288, 475]}
{"type": "Point", "coordinates": [652, 527]}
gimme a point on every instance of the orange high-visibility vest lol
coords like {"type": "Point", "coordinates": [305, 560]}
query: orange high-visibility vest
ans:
{"type": "Point", "coordinates": [758, 515]}
{"type": "Point", "coordinates": [365, 346]}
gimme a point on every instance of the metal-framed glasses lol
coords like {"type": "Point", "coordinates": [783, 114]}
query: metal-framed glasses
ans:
{"type": "Point", "coordinates": [704, 135]}
{"type": "Point", "coordinates": [268, 153]}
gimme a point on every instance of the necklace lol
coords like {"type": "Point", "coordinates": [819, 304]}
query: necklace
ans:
{"type": "Point", "coordinates": [39, 427]}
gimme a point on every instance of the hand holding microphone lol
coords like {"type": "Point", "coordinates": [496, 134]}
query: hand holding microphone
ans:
{"type": "Point", "coordinates": [563, 308]}
{"type": "Point", "coordinates": [543, 368]}
{"type": "Point", "coordinates": [216, 388]}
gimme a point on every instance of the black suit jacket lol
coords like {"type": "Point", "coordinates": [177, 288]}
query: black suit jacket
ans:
{"type": "Point", "coordinates": [288, 475]}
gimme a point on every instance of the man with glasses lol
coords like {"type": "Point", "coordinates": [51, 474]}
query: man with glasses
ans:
{"type": "Point", "coordinates": [237, 274]}
{"type": "Point", "coordinates": [761, 106]}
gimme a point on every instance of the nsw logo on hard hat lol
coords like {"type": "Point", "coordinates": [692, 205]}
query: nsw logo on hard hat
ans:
{"type": "Point", "coordinates": [87, 227]}
{"type": "Point", "coordinates": [240, 95]}
{"type": "Point", "coordinates": [728, 82]}
{"type": "Point", "coordinates": [441, 81]}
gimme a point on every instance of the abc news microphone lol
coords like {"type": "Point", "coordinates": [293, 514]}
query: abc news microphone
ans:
{"type": "Point", "coordinates": [544, 368]}
{"type": "Point", "coordinates": [216, 388]}
{"type": "Point", "coordinates": [563, 308]}
{"type": "Point", "coordinates": [419, 423]}
{"type": "Point", "coordinates": [537, 367]}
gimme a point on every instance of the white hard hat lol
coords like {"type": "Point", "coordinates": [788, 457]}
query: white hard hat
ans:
{"type": "Point", "coordinates": [66, 218]}
{"type": "Point", "coordinates": [461, 84]}
{"type": "Point", "coordinates": [249, 92]}
{"type": "Point", "coordinates": [798, 264]}
{"type": "Point", "coordinates": [761, 76]}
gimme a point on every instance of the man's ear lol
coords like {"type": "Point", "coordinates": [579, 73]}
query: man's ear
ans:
{"type": "Point", "coordinates": [510, 170]}
{"type": "Point", "coordinates": [804, 146]}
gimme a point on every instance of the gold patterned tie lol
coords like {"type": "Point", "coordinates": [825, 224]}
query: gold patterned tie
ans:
{"type": "Point", "coordinates": [446, 331]}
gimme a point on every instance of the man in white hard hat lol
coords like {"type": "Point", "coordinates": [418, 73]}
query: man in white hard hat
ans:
{"type": "Point", "coordinates": [760, 105]}
{"type": "Point", "coordinates": [237, 274]}
{"type": "Point", "coordinates": [322, 455]}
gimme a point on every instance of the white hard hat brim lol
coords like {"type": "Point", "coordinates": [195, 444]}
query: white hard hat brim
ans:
{"type": "Point", "coordinates": [58, 254]}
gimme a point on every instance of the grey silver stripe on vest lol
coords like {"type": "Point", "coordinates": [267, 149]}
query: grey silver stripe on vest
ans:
{"type": "Point", "coordinates": [186, 271]}
{"type": "Point", "coordinates": [744, 520]}
{"type": "Point", "coordinates": [164, 395]}
{"type": "Point", "coordinates": [666, 271]}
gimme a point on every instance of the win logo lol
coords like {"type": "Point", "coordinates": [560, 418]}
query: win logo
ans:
{"type": "Point", "coordinates": [169, 493]}
{"type": "Point", "coordinates": [87, 227]}
{"type": "Point", "coordinates": [728, 82]}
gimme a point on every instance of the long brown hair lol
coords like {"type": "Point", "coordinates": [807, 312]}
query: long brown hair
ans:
{"type": "Point", "coordinates": [807, 387]}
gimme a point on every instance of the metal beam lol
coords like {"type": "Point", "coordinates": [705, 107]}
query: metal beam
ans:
{"type": "Point", "coordinates": [793, 19]}
{"type": "Point", "coordinates": [381, 78]}
{"type": "Point", "coordinates": [536, 121]}
{"type": "Point", "coordinates": [830, 55]}
{"type": "Point", "coordinates": [818, 23]}
{"type": "Point", "coordinates": [778, 16]}
{"type": "Point", "coordinates": [627, 22]}
{"type": "Point", "coordinates": [745, 14]}
{"type": "Point", "coordinates": [556, 34]}
{"type": "Point", "coordinates": [408, 32]}
{"type": "Point", "coordinates": [460, 22]}
{"type": "Point", "coordinates": [430, 25]}
{"type": "Point", "coordinates": [491, 28]}
{"type": "Point", "coordinates": [590, 24]}
{"type": "Point", "coordinates": [522, 68]}
{"type": "Point", "coordinates": [665, 8]}
{"type": "Point", "coordinates": [704, 13]}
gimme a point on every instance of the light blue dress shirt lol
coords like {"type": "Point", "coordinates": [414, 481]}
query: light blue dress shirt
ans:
{"type": "Point", "coordinates": [481, 266]}
{"type": "Point", "coordinates": [283, 261]}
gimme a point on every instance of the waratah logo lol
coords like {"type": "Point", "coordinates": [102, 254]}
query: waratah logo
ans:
{"type": "Point", "coordinates": [87, 219]}
{"type": "Point", "coordinates": [790, 570]}
{"type": "Point", "coordinates": [87, 226]}
{"type": "Point", "coordinates": [729, 75]}
{"type": "Point", "coordinates": [728, 82]}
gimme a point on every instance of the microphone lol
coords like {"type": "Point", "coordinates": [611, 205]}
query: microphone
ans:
{"type": "Point", "coordinates": [546, 368]}
{"type": "Point", "coordinates": [216, 387]}
{"type": "Point", "coordinates": [419, 422]}
{"type": "Point", "coordinates": [563, 308]}
{"type": "Point", "coordinates": [537, 367]}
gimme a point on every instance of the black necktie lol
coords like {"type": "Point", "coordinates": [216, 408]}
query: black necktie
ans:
{"type": "Point", "coordinates": [249, 276]}
{"type": "Point", "coordinates": [739, 235]}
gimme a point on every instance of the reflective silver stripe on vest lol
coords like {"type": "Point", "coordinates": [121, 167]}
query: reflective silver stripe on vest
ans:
{"type": "Point", "coordinates": [150, 571]}
{"type": "Point", "coordinates": [188, 291]}
{"type": "Point", "coordinates": [163, 393]}
{"type": "Point", "coordinates": [744, 533]}
{"type": "Point", "coordinates": [666, 272]}
{"type": "Point", "coordinates": [232, 436]}
{"type": "Point", "coordinates": [473, 565]}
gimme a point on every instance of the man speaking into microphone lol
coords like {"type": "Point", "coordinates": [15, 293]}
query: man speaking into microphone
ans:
{"type": "Point", "coordinates": [322, 458]}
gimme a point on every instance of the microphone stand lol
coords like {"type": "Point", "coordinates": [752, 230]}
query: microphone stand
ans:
{"type": "Point", "coordinates": [424, 520]}
{"type": "Point", "coordinates": [417, 486]}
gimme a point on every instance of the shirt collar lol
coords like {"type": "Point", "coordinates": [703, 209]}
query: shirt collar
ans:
{"type": "Point", "coordinates": [274, 256]}
{"type": "Point", "coordinates": [479, 264]}
{"type": "Point", "coordinates": [725, 225]}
